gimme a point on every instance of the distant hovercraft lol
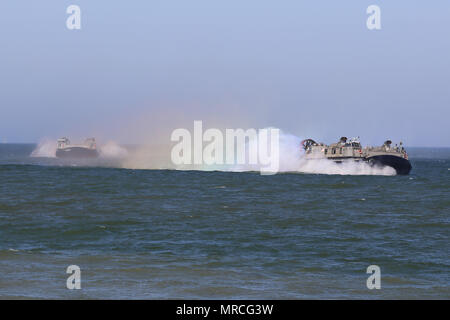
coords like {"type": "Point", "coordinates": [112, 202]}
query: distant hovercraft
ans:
{"type": "Point", "coordinates": [67, 150]}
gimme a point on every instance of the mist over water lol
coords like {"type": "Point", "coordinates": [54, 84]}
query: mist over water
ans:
{"type": "Point", "coordinates": [113, 150]}
{"type": "Point", "coordinates": [291, 159]}
{"type": "Point", "coordinates": [148, 157]}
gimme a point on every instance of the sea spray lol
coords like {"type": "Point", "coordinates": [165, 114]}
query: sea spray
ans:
{"type": "Point", "coordinates": [112, 150]}
{"type": "Point", "coordinates": [149, 157]}
{"type": "Point", "coordinates": [111, 154]}
{"type": "Point", "coordinates": [46, 148]}
{"type": "Point", "coordinates": [349, 167]}
{"type": "Point", "coordinates": [292, 159]}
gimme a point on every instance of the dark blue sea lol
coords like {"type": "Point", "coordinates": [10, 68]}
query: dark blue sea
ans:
{"type": "Point", "coordinates": [168, 234]}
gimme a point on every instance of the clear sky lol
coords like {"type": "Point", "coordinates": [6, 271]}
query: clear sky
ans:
{"type": "Point", "coordinates": [139, 69]}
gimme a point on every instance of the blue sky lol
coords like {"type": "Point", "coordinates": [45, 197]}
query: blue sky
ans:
{"type": "Point", "coordinates": [139, 69]}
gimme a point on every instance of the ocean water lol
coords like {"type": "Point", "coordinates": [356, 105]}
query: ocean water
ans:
{"type": "Point", "coordinates": [168, 234]}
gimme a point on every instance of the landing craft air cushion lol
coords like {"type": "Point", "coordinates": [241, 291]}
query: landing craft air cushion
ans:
{"type": "Point", "coordinates": [67, 150]}
{"type": "Point", "coordinates": [351, 150]}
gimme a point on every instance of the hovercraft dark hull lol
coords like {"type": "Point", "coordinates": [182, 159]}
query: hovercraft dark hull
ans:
{"type": "Point", "coordinates": [77, 153]}
{"type": "Point", "coordinates": [401, 165]}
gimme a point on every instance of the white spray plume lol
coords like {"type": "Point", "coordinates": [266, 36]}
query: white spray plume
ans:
{"type": "Point", "coordinates": [45, 148]}
{"type": "Point", "coordinates": [291, 159]}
